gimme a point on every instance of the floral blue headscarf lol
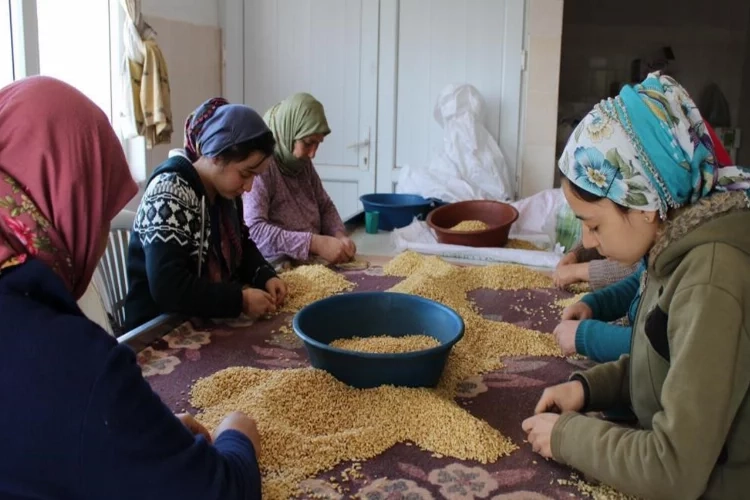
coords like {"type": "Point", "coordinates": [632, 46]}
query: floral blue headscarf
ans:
{"type": "Point", "coordinates": [648, 149]}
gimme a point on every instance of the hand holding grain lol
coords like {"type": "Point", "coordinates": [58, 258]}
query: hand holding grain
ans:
{"type": "Point", "coordinates": [194, 426]}
{"type": "Point", "coordinates": [572, 273]}
{"type": "Point", "coordinates": [349, 247]}
{"type": "Point", "coordinates": [568, 258]}
{"type": "Point", "coordinates": [577, 311]}
{"type": "Point", "coordinates": [243, 424]}
{"type": "Point", "coordinates": [565, 335]}
{"type": "Point", "coordinates": [256, 303]}
{"type": "Point", "coordinates": [561, 398]}
{"type": "Point", "coordinates": [538, 431]}
{"type": "Point", "coordinates": [330, 248]}
{"type": "Point", "coordinates": [277, 288]}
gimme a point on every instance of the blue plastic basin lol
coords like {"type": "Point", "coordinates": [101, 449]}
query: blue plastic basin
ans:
{"type": "Point", "coordinates": [367, 314]}
{"type": "Point", "coordinates": [398, 210]}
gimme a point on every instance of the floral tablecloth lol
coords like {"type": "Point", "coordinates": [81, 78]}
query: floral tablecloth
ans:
{"type": "Point", "coordinates": [502, 398]}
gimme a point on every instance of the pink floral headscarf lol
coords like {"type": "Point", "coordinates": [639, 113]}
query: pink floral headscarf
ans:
{"type": "Point", "coordinates": [63, 178]}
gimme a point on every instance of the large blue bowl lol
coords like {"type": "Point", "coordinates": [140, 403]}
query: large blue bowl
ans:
{"type": "Point", "coordinates": [367, 314]}
{"type": "Point", "coordinates": [398, 210]}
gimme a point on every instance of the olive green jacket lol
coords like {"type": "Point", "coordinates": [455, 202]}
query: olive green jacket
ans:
{"type": "Point", "coordinates": [688, 372]}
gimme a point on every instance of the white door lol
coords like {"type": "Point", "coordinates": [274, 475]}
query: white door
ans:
{"type": "Point", "coordinates": [428, 44]}
{"type": "Point", "coordinates": [328, 48]}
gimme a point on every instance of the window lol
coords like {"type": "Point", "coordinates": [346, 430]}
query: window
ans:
{"type": "Point", "coordinates": [6, 44]}
{"type": "Point", "coordinates": [74, 46]}
{"type": "Point", "coordinates": [76, 41]}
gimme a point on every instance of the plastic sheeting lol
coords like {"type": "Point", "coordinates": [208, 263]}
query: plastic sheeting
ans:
{"type": "Point", "coordinates": [470, 165]}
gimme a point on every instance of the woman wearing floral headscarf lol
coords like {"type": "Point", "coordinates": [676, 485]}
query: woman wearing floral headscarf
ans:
{"type": "Point", "coordinates": [641, 174]}
{"type": "Point", "coordinates": [288, 212]}
{"type": "Point", "coordinates": [78, 420]}
{"type": "Point", "coordinates": [189, 252]}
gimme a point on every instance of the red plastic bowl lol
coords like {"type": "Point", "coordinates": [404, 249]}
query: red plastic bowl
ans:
{"type": "Point", "coordinates": [497, 215]}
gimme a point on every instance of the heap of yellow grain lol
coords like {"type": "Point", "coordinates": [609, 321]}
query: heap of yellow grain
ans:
{"type": "Point", "coordinates": [470, 226]}
{"type": "Point", "coordinates": [309, 421]}
{"type": "Point", "coordinates": [385, 344]}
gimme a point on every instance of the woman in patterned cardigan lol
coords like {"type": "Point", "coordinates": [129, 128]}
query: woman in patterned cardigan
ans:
{"type": "Point", "coordinates": [189, 252]}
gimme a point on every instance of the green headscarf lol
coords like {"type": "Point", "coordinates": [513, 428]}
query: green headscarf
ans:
{"type": "Point", "coordinates": [294, 118]}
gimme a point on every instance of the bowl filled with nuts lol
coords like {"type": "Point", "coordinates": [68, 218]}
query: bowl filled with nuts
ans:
{"type": "Point", "coordinates": [369, 339]}
{"type": "Point", "coordinates": [473, 223]}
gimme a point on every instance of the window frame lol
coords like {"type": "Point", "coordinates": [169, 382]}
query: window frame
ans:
{"type": "Point", "coordinates": [26, 62]}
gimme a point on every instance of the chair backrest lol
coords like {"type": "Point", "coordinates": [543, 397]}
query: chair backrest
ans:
{"type": "Point", "coordinates": [113, 265]}
{"type": "Point", "coordinates": [94, 306]}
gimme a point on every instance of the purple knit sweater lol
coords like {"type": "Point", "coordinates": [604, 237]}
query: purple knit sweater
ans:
{"type": "Point", "coordinates": [282, 213]}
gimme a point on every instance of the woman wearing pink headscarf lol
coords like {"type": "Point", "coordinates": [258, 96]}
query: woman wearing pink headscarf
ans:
{"type": "Point", "coordinates": [78, 419]}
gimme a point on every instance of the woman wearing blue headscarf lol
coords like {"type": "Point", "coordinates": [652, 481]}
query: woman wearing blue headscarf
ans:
{"type": "Point", "coordinates": [190, 252]}
{"type": "Point", "coordinates": [640, 172]}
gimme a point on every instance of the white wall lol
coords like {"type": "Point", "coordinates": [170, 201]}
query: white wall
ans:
{"type": "Point", "coordinates": [541, 78]}
{"type": "Point", "coordinates": [202, 12]}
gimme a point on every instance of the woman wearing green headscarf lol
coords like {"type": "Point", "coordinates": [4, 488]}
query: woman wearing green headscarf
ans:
{"type": "Point", "coordinates": [288, 212]}
{"type": "Point", "coordinates": [641, 174]}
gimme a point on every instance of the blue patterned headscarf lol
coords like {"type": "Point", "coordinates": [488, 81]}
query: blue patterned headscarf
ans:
{"type": "Point", "coordinates": [648, 149]}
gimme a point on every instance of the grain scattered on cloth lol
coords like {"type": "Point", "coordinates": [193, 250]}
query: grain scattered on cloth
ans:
{"type": "Point", "coordinates": [309, 421]}
{"type": "Point", "coordinates": [563, 303]}
{"type": "Point", "coordinates": [470, 226]}
{"type": "Point", "coordinates": [307, 284]}
{"type": "Point", "coordinates": [485, 341]}
{"type": "Point", "coordinates": [383, 344]}
{"type": "Point", "coordinates": [594, 491]}
{"type": "Point", "coordinates": [353, 265]}
{"type": "Point", "coordinates": [578, 287]}
{"type": "Point", "coordinates": [522, 245]}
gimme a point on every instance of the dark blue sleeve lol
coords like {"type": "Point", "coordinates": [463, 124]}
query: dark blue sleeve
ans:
{"type": "Point", "coordinates": [132, 446]}
{"type": "Point", "coordinates": [613, 302]}
{"type": "Point", "coordinates": [602, 341]}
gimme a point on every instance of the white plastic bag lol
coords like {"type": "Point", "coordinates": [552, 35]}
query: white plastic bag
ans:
{"type": "Point", "coordinates": [537, 212]}
{"type": "Point", "coordinates": [470, 166]}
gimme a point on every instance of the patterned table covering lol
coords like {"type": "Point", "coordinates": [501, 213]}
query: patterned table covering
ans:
{"type": "Point", "coordinates": [503, 398]}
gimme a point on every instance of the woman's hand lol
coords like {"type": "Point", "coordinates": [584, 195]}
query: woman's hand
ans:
{"type": "Point", "coordinates": [194, 426]}
{"type": "Point", "coordinates": [569, 396]}
{"type": "Point", "coordinates": [561, 398]}
{"type": "Point", "coordinates": [571, 273]}
{"type": "Point", "coordinates": [565, 335]}
{"type": "Point", "coordinates": [349, 247]}
{"type": "Point", "coordinates": [330, 248]}
{"type": "Point", "coordinates": [538, 431]}
{"type": "Point", "coordinates": [277, 288]}
{"type": "Point", "coordinates": [257, 303]}
{"type": "Point", "coordinates": [578, 311]}
{"type": "Point", "coordinates": [568, 258]}
{"type": "Point", "coordinates": [243, 424]}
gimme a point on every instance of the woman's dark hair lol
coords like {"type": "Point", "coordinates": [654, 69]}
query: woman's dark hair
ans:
{"type": "Point", "coordinates": [589, 197]}
{"type": "Point", "coordinates": [239, 152]}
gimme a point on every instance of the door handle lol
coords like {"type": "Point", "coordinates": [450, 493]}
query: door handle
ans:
{"type": "Point", "coordinates": [360, 144]}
